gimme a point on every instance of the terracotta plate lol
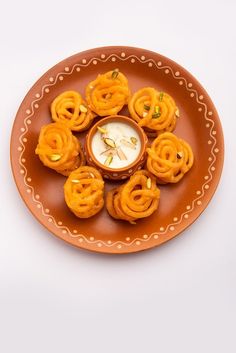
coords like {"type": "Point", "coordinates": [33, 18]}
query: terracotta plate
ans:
{"type": "Point", "coordinates": [180, 204]}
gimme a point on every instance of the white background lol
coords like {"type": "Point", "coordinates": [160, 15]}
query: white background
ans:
{"type": "Point", "coordinates": [177, 298]}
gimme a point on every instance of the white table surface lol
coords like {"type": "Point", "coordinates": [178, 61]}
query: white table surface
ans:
{"type": "Point", "coordinates": [179, 297]}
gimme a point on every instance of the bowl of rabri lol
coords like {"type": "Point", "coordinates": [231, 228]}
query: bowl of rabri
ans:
{"type": "Point", "coordinates": [116, 146]}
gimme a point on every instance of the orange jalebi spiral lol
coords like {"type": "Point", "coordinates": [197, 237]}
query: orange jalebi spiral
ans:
{"type": "Point", "coordinates": [114, 207]}
{"type": "Point", "coordinates": [83, 192]}
{"type": "Point", "coordinates": [58, 149]}
{"type": "Point", "coordinates": [70, 109]}
{"type": "Point", "coordinates": [140, 195]}
{"type": "Point", "coordinates": [137, 198]}
{"type": "Point", "coordinates": [153, 110]}
{"type": "Point", "coordinates": [169, 158]}
{"type": "Point", "coordinates": [108, 93]}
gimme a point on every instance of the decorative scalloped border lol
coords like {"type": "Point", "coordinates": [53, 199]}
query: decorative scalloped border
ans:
{"type": "Point", "coordinates": [151, 63]}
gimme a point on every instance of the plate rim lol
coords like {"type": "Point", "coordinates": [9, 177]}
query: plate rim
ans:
{"type": "Point", "coordinates": [184, 72]}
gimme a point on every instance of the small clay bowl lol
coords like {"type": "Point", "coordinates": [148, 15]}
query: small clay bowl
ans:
{"type": "Point", "coordinates": [110, 172]}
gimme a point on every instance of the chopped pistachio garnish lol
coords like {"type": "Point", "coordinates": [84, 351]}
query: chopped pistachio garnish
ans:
{"type": "Point", "coordinates": [149, 183]}
{"type": "Point", "coordinates": [75, 181]}
{"type": "Point", "coordinates": [102, 130]}
{"type": "Point", "coordinates": [109, 142]}
{"type": "Point", "coordinates": [156, 115]}
{"type": "Point", "coordinates": [177, 113]}
{"type": "Point", "coordinates": [146, 107]}
{"type": "Point", "coordinates": [83, 109]}
{"type": "Point", "coordinates": [145, 114]}
{"type": "Point", "coordinates": [108, 160]}
{"type": "Point", "coordinates": [133, 140]}
{"type": "Point", "coordinates": [157, 109]}
{"type": "Point", "coordinates": [161, 96]}
{"type": "Point", "coordinates": [127, 144]}
{"type": "Point", "coordinates": [55, 157]}
{"type": "Point", "coordinates": [179, 155]}
{"type": "Point", "coordinates": [115, 73]}
{"type": "Point", "coordinates": [121, 154]}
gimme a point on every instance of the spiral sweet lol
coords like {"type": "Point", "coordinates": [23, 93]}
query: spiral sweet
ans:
{"type": "Point", "coordinates": [84, 191]}
{"type": "Point", "coordinates": [114, 206]}
{"type": "Point", "coordinates": [140, 195]}
{"type": "Point", "coordinates": [70, 109]}
{"type": "Point", "coordinates": [153, 110]}
{"type": "Point", "coordinates": [169, 158]}
{"type": "Point", "coordinates": [108, 93]}
{"type": "Point", "coordinates": [58, 149]}
{"type": "Point", "coordinates": [137, 198]}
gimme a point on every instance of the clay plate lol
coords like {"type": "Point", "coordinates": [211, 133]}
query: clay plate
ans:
{"type": "Point", "coordinates": [180, 204]}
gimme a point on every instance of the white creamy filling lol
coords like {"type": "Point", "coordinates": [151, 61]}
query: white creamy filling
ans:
{"type": "Point", "coordinates": [122, 134]}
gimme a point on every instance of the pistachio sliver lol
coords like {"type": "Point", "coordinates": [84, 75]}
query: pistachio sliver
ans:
{"type": "Point", "coordinates": [179, 155]}
{"type": "Point", "coordinates": [82, 108]}
{"type": "Point", "coordinates": [149, 183]}
{"type": "Point", "coordinates": [121, 154]}
{"type": "Point", "coordinates": [55, 157]}
{"type": "Point", "coordinates": [115, 73]}
{"type": "Point", "coordinates": [108, 160]}
{"type": "Point", "coordinates": [161, 96]}
{"type": "Point", "coordinates": [146, 107]}
{"type": "Point", "coordinates": [133, 140]}
{"type": "Point", "coordinates": [109, 142]}
{"type": "Point", "coordinates": [157, 109]}
{"type": "Point", "coordinates": [177, 113]}
{"type": "Point", "coordinates": [127, 144]}
{"type": "Point", "coordinates": [102, 130]}
{"type": "Point", "coordinates": [156, 115]}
